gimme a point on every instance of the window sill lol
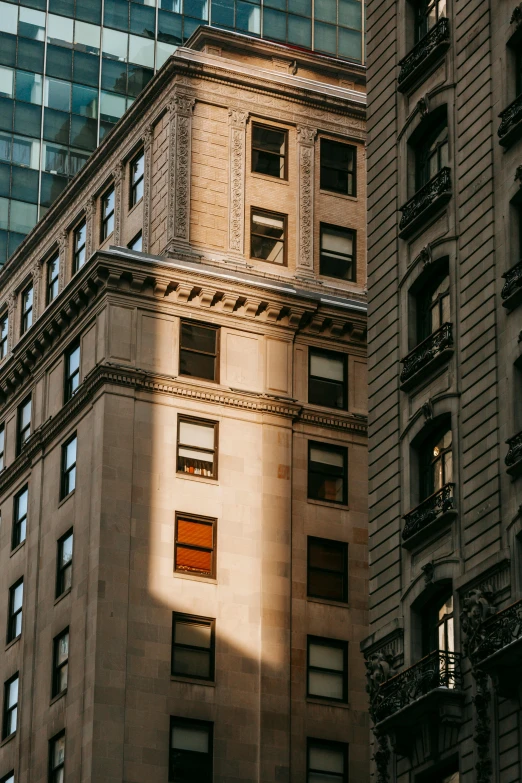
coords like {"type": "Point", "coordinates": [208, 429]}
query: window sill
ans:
{"type": "Point", "coordinates": [327, 702]}
{"type": "Point", "coordinates": [327, 602]}
{"type": "Point", "coordinates": [196, 578]}
{"type": "Point", "coordinates": [345, 196]}
{"type": "Point", "coordinates": [197, 381]}
{"type": "Point", "coordinates": [194, 477]}
{"type": "Point", "coordinates": [7, 739]}
{"type": "Point", "coordinates": [192, 681]}
{"type": "Point", "coordinates": [255, 261]}
{"type": "Point", "coordinates": [328, 504]}
{"type": "Point", "coordinates": [17, 548]}
{"type": "Point", "coordinates": [13, 642]}
{"type": "Point", "coordinates": [323, 408]}
{"type": "Point", "coordinates": [341, 279]}
{"type": "Point", "coordinates": [62, 596]}
{"type": "Point", "coordinates": [269, 178]}
{"type": "Point", "coordinates": [58, 697]}
{"type": "Point", "coordinates": [66, 498]}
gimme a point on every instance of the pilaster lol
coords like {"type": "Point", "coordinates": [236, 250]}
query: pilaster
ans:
{"type": "Point", "coordinates": [118, 176]}
{"type": "Point", "coordinates": [181, 107]}
{"type": "Point", "coordinates": [147, 139]}
{"type": "Point", "coordinates": [305, 202]}
{"type": "Point", "coordinates": [237, 119]}
{"type": "Point", "coordinates": [90, 210]}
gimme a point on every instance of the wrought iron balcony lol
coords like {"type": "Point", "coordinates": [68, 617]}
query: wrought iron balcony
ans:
{"type": "Point", "coordinates": [427, 355]}
{"type": "Point", "coordinates": [425, 202]}
{"type": "Point", "coordinates": [436, 507]}
{"type": "Point", "coordinates": [511, 122]}
{"type": "Point", "coordinates": [514, 456]}
{"type": "Point", "coordinates": [512, 289]}
{"type": "Point", "coordinates": [498, 633]}
{"type": "Point", "coordinates": [429, 49]}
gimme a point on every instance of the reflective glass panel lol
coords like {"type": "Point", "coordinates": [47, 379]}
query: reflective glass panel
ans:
{"type": "Point", "coordinates": [87, 37]}
{"type": "Point", "coordinates": [141, 51]}
{"type": "Point", "coordinates": [29, 87]}
{"type": "Point", "coordinates": [23, 216]}
{"type": "Point", "coordinates": [31, 24]}
{"type": "Point", "coordinates": [59, 30]}
{"type": "Point", "coordinates": [6, 82]}
{"type": "Point", "coordinates": [114, 44]}
{"type": "Point", "coordinates": [9, 17]}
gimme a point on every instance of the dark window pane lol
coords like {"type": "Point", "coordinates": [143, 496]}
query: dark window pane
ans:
{"type": "Point", "coordinates": [40, 4]}
{"type": "Point", "coordinates": [77, 161]}
{"type": "Point", "coordinates": [299, 31]}
{"type": "Point", "coordinates": [6, 114]}
{"type": "Point", "coordinates": [142, 20]}
{"type": "Point", "coordinates": [196, 365]}
{"type": "Point", "coordinates": [59, 62]}
{"type": "Point", "coordinates": [114, 76]}
{"type": "Point", "coordinates": [89, 12]}
{"type": "Point", "coordinates": [7, 49]}
{"type": "Point", "coordinates": [138, 78]}
{"type": "Point", "coordinates": [189, 26]}
{"type": "Point", "coordinates": [327, 473]}
{"type": "Point", "coordinates": [24, 184]}
{"type": "Point", "coordinates": [116, 14]}
{"type": "Point", "coordinates": [5, 180]}
{"type": "Point", "coordinates": [52, 186]}
{"type": "Point", "coordinates": [105, 128]}
{"type": "Point", "coordinates": [274, 24]}
{"type": "Point", "coordinates": [28, 119]}
{"type": "Point", "coordinates": [63, 7]}
{"type": "Point", "coordinates": [3, 247]}
{"type": "Point", "coordinates": [325, 38]}
{"type": "Point", "coordinates": [223, 12]}
{"type": "Point", "coordinates": [14, 241]}
{"type": "Point", "coordinates": [268, 151]}
{"type": "Point", "coordinates": [84, 101]}
{"type": "Point", "coordinates": [196, 8]}
{"type": "Point", "coordinates": [200, 338]}
{"type": "Point", "coordinates": [327, 569]}
{"type": "Point", "coordinates": [84, 132]}
{"type": "Point", "coordinates": [30, 55]}
{"type": "Point", "coordinates": [169, 27]}
{"type": "Point", "coordinates": [86, 68]}
{"type": "Point", "coordinates": [281, 4]}
{"type": "Point", "coordinates": [56, 126]}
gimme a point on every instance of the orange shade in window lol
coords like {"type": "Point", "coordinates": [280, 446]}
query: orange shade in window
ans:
{"type": "Point", "coordinates": [195, 533]}
{"type": "Point", "coordinates": [193, 560]}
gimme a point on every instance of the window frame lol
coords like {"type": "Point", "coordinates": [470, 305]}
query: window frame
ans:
{"type": "Point", "coordinates": [345, 573]}
{"type": "Point", "coordinates": [54, 769]}
{"type": "Point", "coordinates": [133, 184]}
{"type": "Point", "coordinates": [273, 214]}
{"type": "Point", "coordinates": [9, 778]}
{"type": "Point", "coordinates": [21, 440]}
{"type": "Point", "coordinates": [16, 539]}
{"type": "Point", "coordinates": [2, 446]}
{"type": "Point", "coordinates": [332, 354]}
{"type": "Point", "coordinates": [139, 235]}
{"type": "Point", "coordinates": [57, 667]}
{"type": "Point", "coordinates": [253, 148]}
{"type": "Point", "coordinates": [26, 313]}
{"type": "Point", "coordinates": [427, 461]}
{"type": "Point", "coordinates": [332, 745]}
{"type": "Point", "coordinates": [181, 721]}
{"type": "Point", "coordinates": [68, 392]}
{"type": "Point", "coordinates": [6, 711]}
{"type": "Point", "coordinates": [12, 615]}
{"type": "Point", "coordinates": [353, 149]}
{"type": "Point", "coordinates": [4, 341]}
{"type": "Point", "coordinates": [333, 447]}
{"type": "Point", "coordinates": [324, 641]}
{"type": "Point", "coordinates": [61, 569]}
{"type": "Point", "coordinates": [49, 281]}
{"type": "Point", "coordinates": [426, 147]}
{"type": "Point", "coordinates": [209, 522]}
{"type": "Point", "coordinates": [77, 249]}
{"type": "Point", "coordinates": [195, 620]}
{"type": "Point", "coordinates": [421, 11]}
{"type": "Point", "coordinates": [65, 471]}
{"type": "Point", "coordinates": [353, 232]}
{"type": "Point", "coordinates": [216, 355]}
{"type": "Point", "coordinates": [203, 423]}
{"type": "Point", "coordinates": [105, 218]}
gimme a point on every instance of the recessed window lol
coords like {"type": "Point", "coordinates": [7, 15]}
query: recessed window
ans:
{"type": "Point", "coordinates": [327, 569]}
{"type": "Point", "coordinates": [433, 306]}
{"type": "Point", "coordinates": [20, 517]}
{"type": "Point", "coordinates": [72, 371]}
{"type": "Point", "coordinates": [199, 351]}
{"type": "Point", "coordinates": [427, 14]}
{"type": "Point", "coordinates": [436, 463]}
{"type": "Point", "coordinates": [197, 447]}
{"type": "Point", "coordinates": [27, 308]}
{"type": "Point", "coordinates": [327, 762]}
{"type": "Point", "coordinates": [53, 277]}
{"type": "Point", "coordinates": [338, 163]}
{"type": "Point", "coordinates": [327, 379]}
{"type": "Point", "coordinates": [195, 545]}
{"type": "Point", "coordinates": [107, 222]}
{"type": "Point", "coordinates": [137, 171]}
{"type": "Point", "coordinates": [327, 669]}
{"type": "Point", "coordinates": [327, 472]}
{"type": "Point", "coordinates": [267, 236]}
{"type": "Point", "coordinates": [14, 623]}
{"type": "Point", "coordinates": [23, 424]}
{"type": "Point", "coordinates": [137, 242]}
{"type": "Point", "coordinates": [57, 759]}
{"type": "Point", "coordinates": [68, 478]}
{"type": "Point", "coordinates": [438, 624]}
{"type": "Point", "coordinates": [80, 239]}
{"type": "Point", "coordinates": [60, 663]}
{"type": "Point", "coordinates": [2, 446]}
{"type": "Point", "coordinates": [431, 152]}
{"type": "Point", "coordinates": [190, 757]}
{"type": "Point", "coordinates": [4, 333]}
{"type": "Point", "coordinates": [64, 564]}
{"type": "Point", "coordinates": [269, 151]}
{"type": "Point", "coordinates": [9, 778]}
{"type": "Point", "coordinates": [10, 721]}
{"type": "Point", "coordinates": [337, 252]}
{"type": "Point", "coordinates": [192, 646]}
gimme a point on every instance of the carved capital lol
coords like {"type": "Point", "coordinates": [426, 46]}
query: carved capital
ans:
{"type": "Point", "coordinates": [518, 174]}
{"type": "Point", "coordinates": [238, 118]}
{"type": "Point", "coordinates": [516, 16]}
{"type": "Point", "coordinates": [423, 106]}
{"type": "Point", "coordinates": [477, 607]}
{"type": "Point", "coordinates": [183, 104]}
{"type": "Point", "coordinates": [148, 135]}
{"type": "Point", "coordinates": [118, 173]}
{"type": "Point", "coordinates": [305, 134]}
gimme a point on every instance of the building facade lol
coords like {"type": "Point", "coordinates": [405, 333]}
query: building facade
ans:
{"type": "Point", "coordinates": [69, 70]}
{"type": "Point", "coordinates": [183, 547]}
{"type": "Point", "coordinates": [444, 178]}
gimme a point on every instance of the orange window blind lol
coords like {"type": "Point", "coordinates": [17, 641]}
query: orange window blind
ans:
{"type": "Point", "coordinates": [194, 546]}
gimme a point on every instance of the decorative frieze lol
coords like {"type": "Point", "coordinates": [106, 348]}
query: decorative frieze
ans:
{"type": "Point", "coordinates": [510, 127]}
{"type": "Point", "coordinates": [305, 200]}
{"type": "Point", "coordinates": [180, 108]}
{"type": "Point", "coordinates": [238, 119]}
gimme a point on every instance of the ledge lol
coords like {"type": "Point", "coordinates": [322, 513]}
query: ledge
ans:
{"type": "Point", "coordinates": [512, 289]}
{"type": "Point", "coordinates": [510, 129]}
{"type": "Point", "coordinates": [427, 356]}
{"type": "Point", "coordinates": [431, 48]}
{"type": "Point", "coordinates": [426, 202]}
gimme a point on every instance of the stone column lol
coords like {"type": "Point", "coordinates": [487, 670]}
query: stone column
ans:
{"type": "Point", "coordinates": [118, 175]}
{"type": "Point", "coordinates": [147, 139]}
{"type": "Point", "coordinates": [237, 119]}
{"type": "Point", "coordinates": [63, 246]}
{"type": "Point", "coordinates": [11, 315]}
{"type": "Point", "coordinates": [180, 138]}
{"type": "Point", "coordinates": [37, 274]}
{"type": "Point", "coordinates": [305, 202]}
{"type": "Point", "coordinates": [90, 211]}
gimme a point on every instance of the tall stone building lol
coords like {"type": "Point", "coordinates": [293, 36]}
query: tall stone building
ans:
{"type": "Point", "coordinates": [183, 546]}
{"type": "Point", "coordinates": [444, 652]}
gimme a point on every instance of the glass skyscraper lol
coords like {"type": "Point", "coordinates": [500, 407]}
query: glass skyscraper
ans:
{"type": "Point", "coordinates": [70, 68]}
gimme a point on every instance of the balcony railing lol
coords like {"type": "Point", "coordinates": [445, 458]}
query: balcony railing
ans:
{"type": "Point", "coordinates": [429, 510]}
{"type": "Point", "coordinates": [499, 632]}
{"type": "Point", "coordinates": [512, 288]}
{"type": "Point", "coordinates": [514, 455]}
{"type": "Point", "coordinates": [429, 198]}
{"type": "Point", "coordinates": [426, 51]}
{"type": "Point", "coordinates": [427, 352]}
{"type": "Point", "coordinates": [511, 122]}
{"type": "Point", "coordinates": [439, 669]}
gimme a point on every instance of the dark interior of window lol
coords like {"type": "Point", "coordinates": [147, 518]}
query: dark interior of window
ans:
{"type": "Point", "coordinates": [327, 569]}
{"type": "Point", "coordinates": [327, 472]}
{"type": "Point", "coordinates": [427, 14]}
{"type": "Point", "coordinates": [327, 379]}
{"type": "Point", "coordinates": [437, 624]}
{"type": "Point", "coordinates": [337, 252]}
{"type": "Point", "coordinates": [198, 351]}
{"type": "Point", "coordinates": [338, 167]}
{"type": "Point", "coordinates": [269, 151]}
{"type": "Point", "coordinates": [267, 236]}
{"type": "Point", "coordinates": [190, 751]}
{"type": "Point", "coordinates": [431, 148]}
{"type": "Point", "coordinates": [433, 305]}
{"type": "Point", "coordinates": [436, 461]}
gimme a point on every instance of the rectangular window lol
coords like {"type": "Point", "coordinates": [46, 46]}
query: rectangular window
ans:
{"type": "Point", "coordinates": [20, 517]}
{"type": "Point", "coordinates": [197, 447]}
{"type": "Point", "coordinates": [327, 761]}
{"type": "Point", "coordinates": [327, 569]}
{"type": "Point", "coordinates": [10, 720]}
{"type": "Point", "coordinates": [137, 242]}
{"type": "Point", "coordinates": [137, 171]}
{"type": "Point", "coordinates": [14, 624]}
{"type": "Point", "coordinates": [328, 379]}
{"type": "Point", "coordinates": [53, 276]}
{"type": "Point", "coordinates": [80, 239]}
{"type": "Point", "coordinates": [9, 778]}
{"type": "Point", "coordinates": [327, 472]}
{"type": "Point", "coordinates": [199, 351]}
{"type": "Point", "coordinates": [327, 669]}
{"type": "Point", "coordinates": [23, 424]}
{"type": "Point", "coordinates": [2, 447]}
{"type": "Point", "coordinates": [269, 151]}
{"type": "Point", "coordinates": [64, 564]}
{"type": "Point", "coordinates": [60, 663]}
{"type": "Point", "coordinates": [192, 646]}
{"type": "Point", "coordinates": [72, 371]}
{"type": "Point", "coordinates": [107, 214]}
{"type": "Point", "coordinates": [338, 167]}
{"type": "Point", "coordinates": [194, 551]}
{"type": "Point", "coordinates": [27, 308]}
{"type": "Point", "coordinates": [4, 333]}
{"type": "Point", "coordinates": [337, 252]}
{"type": "Point", "coordinates": [427, 14]}
{"type": "Point", "coordinates": [267, 236]}
{"type": "Point", "coordinates": [190, 758]}
{"type": "Point", "coordinates": [68, 482]}
{"type": "Point", "coordinates": [57, 758]}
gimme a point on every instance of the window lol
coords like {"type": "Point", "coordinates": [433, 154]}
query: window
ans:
{"type": "Point", "coordinates": [190, 751]}
{"type": "Point", "coordinates": [60, 663]}
{"type": "Point", "coordinates": [267, 236]}
{"type": "Point", "coordinates": [80, 239]}
{"type": "Point", "coordinates": [2, 446]}
{"type": "Point", "coordinates": [4, 333]}
{"type": "Point", "coordinates": [199, 351]}
{"type": "Point", "coordinates": [27, 308]}
{"type": "Point", "coordinates": [438, 632]}
{"type": "Point", "coordinates": [327, 569]}
{"type": "Point", "coordinates": [433, 307]}
{"type": "Point", "coordinates": [327, 476]}
{"type": "Point", "coordinates": [436, 463]}
{"type": "Point", "coordinates": [20, 517]}
{"type": "Point", "coordinates": [9, 778]}
{"type": "Point", "coordinates": [431, 153]}
{"type": "Point", "coordinates": [107, 214]}
{"type": "Point", "coordinates": [192, 646]}
{"type": "Point", "coordinates": [10, 720]}
{"type": "Point", "coordinates": [72, 371]}
{"type": "Point", "coordinates": [197, 446]}
{"type": "Point", "coordinates": [327, 761]}
{"type": "Point", "coordinates": [57, 759]}
{"type": "Point", "coordinates": [327, 669]}
{"type": "Point", "coordinates": [14, 625]}
{"type": "Point", "coordinates": [427, 14]}
{"type": "Point", "coordinates": [137, 242]}
{"type": "Point", "coordinates": [68, 482]}
{"type": "Point", "coordinates": [23, 423]}
{"type": "Point", "coordinates": [195, 545]}
{"type": "Point", "coordinates": [53, 275]}
{"type": "Point", "coordinates": [64, 564]}
{"type": "Point", "coordinates": [137, 169]}
{"type": "Point", "coordinates": [327, 379]}
{"type": "Point", "coordinates": [338, 162]}
{"type": "Point", "coordinates": [337, 252]}
{"type": "Point", "coordinates": [269, 151]}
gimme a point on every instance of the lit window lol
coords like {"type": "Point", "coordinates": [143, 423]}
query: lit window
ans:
{"type": "Point", "coordinates": [327, 379]}
{"type": "Point", "coordinates": [80, 239]}
{"type": "Point", "coordinates": [53, 275]}
{"type": "Point", "coordinates": [337, 252]}
{"type": "Point", "coordinates": [20, 517]}
{"type": "Point", "coordinates": [64, 564]}
{"type": "Point", "coordinates": [327, 669]}
{"type": "Point", "coordinates": [427, 14]}
{"type": "Point", "coordinates": [10, 720]}
{"type": "Point", "coordinates": [338, 167]}
{"type": "Point", "coordinates": [327, 569]}
{"type": "Point", "coordinates": [4, 333]}
{"type": "Point", "coordinates": [267, 236]}
{"type": "Point", "coordinates": [137, 169]}
{"type": "Point", "coordinates": [14, 625]}
{"type": "Point", "coordinates": [68, 482]}
{"type": "Point", "coordinates": [327, 474]}
{"type": "Point", "coordinates": [327, 762]}
{"type": "Point", "coordinates": [72, 371]}
{"type": "Point", "coordinates": [190, 757]}
{"type": "Point", "coordinates": [192, 646]}
{"type": "Point", "coordinates": [269, 151]}
{"type": "Point", "coordinates": [197, 447]}
{"type": "Point", "coordinates": [60, 663]}
{"type": "Point", "coordinates": [57, 759]}
{"type": "Point", "coordinates": [194, 548]}
{"type": "Point", "coordinates": [436, 463]}
{"type": "Point", "coordinates": [27, 308]}
{"type": "Point", "coordinates": [198, 351]}
{"type": "Point", "coordinates": [23, 423]}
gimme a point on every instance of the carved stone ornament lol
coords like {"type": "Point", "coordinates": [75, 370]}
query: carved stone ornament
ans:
{"type": "Point", "coordinates": [305, 225]}
{"type": "Point", "coordinates": [118, 176]}
{"type": "Point", "coordinates": [379, 669]}
{"type": "Point", "coordinates": [429, 572]}
{"type": "Point", "coordinates": [90, 209]}
{"type": "Point", "coordinates": [382, 757]}
{"type": "Point", "coordinates": [148, 138]}
{"type": "Point", "coordinates": [423, 106]}
{"type": "Point", "coordinates": [477, 607]}
{"type": "Point", "coordinates": [482, 733]}
{"type": "Point", "coordinates": [36, 273]}
{"type": "Point", "coordinates": [180, 108]}
{"type": "Point", "coordinates": [11, 312]}
{"type": "Point", "coordinates": [516, 16]}
{"type": "Point", "coordinates": [306, 135]}
{"type": "Point", "coordinates": [238, 121]}
{"type": "Point", "coordinates": [518, 174]}
{"type": "Point", "coordinates": [63, 243]}
{"type": "Point", "coordinates": [427, 410]}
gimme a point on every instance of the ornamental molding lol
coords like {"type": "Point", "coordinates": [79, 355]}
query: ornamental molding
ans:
{"type": "Point", "coordinates": [36, 275]}
{"type": "Point", "coordinates": [518, 175]}
{"type": "Point", "coordinates": [305, 218]}
{"type": "Point", "coordinates": [90, 211]}
{"type": "Point", "coordinates": [118, 175]}
{"type": "Point", "coordinates": [63, 245]}
{"type": "Point", "coordinates": [238, 119]}
{"type": "Point", "coordinates": [148, 138]}
{"type": "Point", "coordinates": [180, 108]}
{"type": "Point", "coordinates": [11, 315]}
{"type": "Point", "coordinates": [516, 16]}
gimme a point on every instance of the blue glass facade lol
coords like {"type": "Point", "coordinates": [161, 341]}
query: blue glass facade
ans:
{"type": "Point", "coordinates": [70, 68]}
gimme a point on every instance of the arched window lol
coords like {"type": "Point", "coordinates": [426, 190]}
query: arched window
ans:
{"type": "Point", "coordinates": [431, 152]}
{"type": "Point", "coordinates": [433, 305]}
{"type": "Point", "coordinates": [436, 463]}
